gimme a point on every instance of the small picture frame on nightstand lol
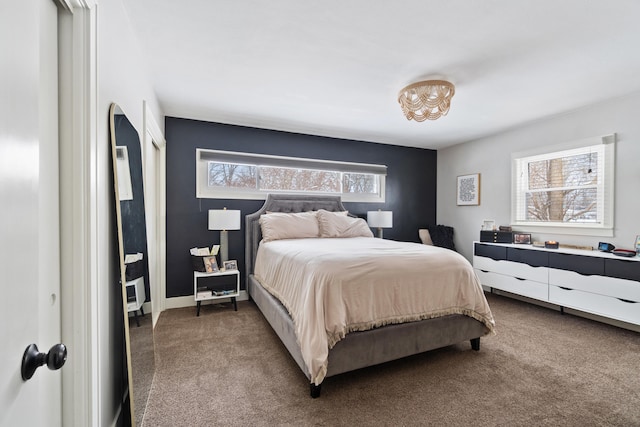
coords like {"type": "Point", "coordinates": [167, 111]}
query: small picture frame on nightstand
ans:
{"type": "Point", "coordinates": [232, 264]}
{"type": "Point", "coordinates": [210, 264]}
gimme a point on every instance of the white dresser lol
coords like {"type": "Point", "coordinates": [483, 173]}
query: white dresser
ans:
{"type": "Point", "coordinates": [593, 282]}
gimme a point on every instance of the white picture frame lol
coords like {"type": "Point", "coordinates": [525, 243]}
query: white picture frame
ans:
{"type": "Point", "coordinates": [468, 190]}
{"type": "Point", "coordinates": [230, 265]}
{"type": "Point", "coordinates": [488, 225]}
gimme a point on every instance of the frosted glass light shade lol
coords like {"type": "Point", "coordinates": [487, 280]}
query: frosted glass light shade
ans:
{"type": "Point", "coordinates": [224, 219]}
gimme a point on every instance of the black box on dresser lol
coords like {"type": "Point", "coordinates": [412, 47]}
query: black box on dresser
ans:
{"type": "Point", "coordinates": [496, 236]}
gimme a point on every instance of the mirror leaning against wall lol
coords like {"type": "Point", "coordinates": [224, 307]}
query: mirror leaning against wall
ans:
{"type": "Point", "coordinates": [133, 258]}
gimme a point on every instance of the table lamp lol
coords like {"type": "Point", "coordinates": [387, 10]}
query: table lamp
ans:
{"type": "Point", "coordinates": [223, 220]}
{"type": "Point", "coordinates": [380, 219]}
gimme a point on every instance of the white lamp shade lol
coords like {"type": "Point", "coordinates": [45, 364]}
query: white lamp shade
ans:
{"type": "Point", "coordinates": [380, 219]}
{"type": "Point", "coordinates": [224, 219]}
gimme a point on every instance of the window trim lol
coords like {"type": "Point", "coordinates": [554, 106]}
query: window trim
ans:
{"type": "Point", "coordinates": [203, 156]}
{"type": "Point", "coordinates": [598, 229]}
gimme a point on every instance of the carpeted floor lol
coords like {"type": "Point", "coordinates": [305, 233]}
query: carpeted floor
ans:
{"type": "Point", "coordinates": [228, 368]}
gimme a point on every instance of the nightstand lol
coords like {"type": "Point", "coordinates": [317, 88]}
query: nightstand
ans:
{"type": "Point", "coordinates": [135, 297]}
{"type": "Point", "coordinates": [222, 284]}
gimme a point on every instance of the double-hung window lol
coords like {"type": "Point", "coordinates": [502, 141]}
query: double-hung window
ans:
{"type": "Point", "coordinates": [233, 175]}
{"type": "Point", "coordinates": [568, 187]}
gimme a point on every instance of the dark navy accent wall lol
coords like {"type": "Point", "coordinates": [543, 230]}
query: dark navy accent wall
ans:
{"type": "Point", "coordinates": [410, 186]}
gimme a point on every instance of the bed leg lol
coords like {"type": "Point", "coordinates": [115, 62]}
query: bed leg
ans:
{"type": "Point", "coordinates": [475, 344]}
{"type": "Point", "coordinates": [315, 390]}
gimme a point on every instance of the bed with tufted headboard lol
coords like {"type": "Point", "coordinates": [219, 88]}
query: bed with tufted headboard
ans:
{"type": "Point", "coordinates": [357, 349]}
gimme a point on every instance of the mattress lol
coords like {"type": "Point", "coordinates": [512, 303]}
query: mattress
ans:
{"type": "Point", "coordinates": [331, 287]}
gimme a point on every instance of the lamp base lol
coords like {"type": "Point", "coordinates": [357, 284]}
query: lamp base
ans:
{"type": "Point", "coordinates": [224, 246]}
{"type": "Point", "coordinates": [380, 233]}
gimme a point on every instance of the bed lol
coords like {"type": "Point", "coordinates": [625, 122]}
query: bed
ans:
{"type": "Point", "coordinates": [350, 348]}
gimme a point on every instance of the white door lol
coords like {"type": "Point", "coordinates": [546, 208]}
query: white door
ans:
{"type": "Point", "coordinates": [29, 219]}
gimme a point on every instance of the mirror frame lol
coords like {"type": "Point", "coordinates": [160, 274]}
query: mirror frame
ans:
{"type": "Point", "coordinates": [114, 111]}
{"type": "Point", "coordinates": [123, 281]}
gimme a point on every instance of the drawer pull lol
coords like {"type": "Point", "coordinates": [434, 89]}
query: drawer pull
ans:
{"type": "Point", "coordinates": [484, 271]}
{"type": "Point", "coordinates": [627, 301]}
{"type": "Point", "coordinates": [520, 278]}
{"type": "Point", "coordinates": [566, 289]}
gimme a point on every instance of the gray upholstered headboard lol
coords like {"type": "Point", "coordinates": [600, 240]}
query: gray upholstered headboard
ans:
{"type": "Point", "coordinates": [282, 203]}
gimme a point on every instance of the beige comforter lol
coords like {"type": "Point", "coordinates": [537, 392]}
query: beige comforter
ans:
{"type": "Point", "coordinates": [335, 286]}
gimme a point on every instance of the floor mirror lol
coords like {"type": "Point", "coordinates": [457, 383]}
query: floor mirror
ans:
{"type": "Point", "coordinates": [133, 258]}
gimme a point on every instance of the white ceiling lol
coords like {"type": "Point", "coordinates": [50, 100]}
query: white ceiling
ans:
{"type": "Point", "coordinates": [335, 67]}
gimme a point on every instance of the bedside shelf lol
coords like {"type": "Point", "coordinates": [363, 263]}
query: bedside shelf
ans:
{"type": "Point", "coordinates": [226, 282]}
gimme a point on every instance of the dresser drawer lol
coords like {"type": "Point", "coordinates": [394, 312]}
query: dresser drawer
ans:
{"type": "Point", "coordinates": [622, 269]}
{"type": "Point", "coordinates": [490, 251]}
{"type": "Point", "coordinates": [515, 269]}
{"type": "Point", "coordinates": [607, 286]}
{"type": "Point", "coordinates": [584, 265]}
{"type": "Point", "coordinates": [528, 288]}
{"type": "Point", "coordinates": [596, 304]}
{"type": "Point", "coordinates": [531, 257]}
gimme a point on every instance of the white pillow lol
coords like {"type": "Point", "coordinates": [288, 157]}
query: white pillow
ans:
{"type": "Point", "coordinates": [278, 225]}
{"type": "Point", "coordinates": [425, 237]}
{"type": "Point", "coordinates": [338, 224]}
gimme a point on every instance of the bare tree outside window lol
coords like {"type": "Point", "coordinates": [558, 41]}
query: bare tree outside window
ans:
{"type": "Point", "coordinates": [563, 189]}
{"type": "Point", "coordinates": [226, 174]}
{"type": "Point", "coordinates": [283, 179]}
{"type": "Point", "coordinates": [232, 176]}
{"type": "Point", "coordinates": [359, 183]}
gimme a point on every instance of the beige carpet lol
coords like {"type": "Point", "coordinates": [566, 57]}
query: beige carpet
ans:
{"type": "Point", "coordinates": [228, 368]}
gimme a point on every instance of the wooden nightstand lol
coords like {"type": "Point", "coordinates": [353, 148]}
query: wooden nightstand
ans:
{"type": "Point", "coordinates": [222, 284]}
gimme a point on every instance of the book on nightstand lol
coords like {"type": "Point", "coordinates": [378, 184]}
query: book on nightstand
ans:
{"type": "Point", "coordinates": [206, 293]}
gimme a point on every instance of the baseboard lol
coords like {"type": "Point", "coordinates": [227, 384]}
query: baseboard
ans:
{"type": "Point", "coordinates": [601, 319]}
{"type": "Point", "coordinates": [188, 301]}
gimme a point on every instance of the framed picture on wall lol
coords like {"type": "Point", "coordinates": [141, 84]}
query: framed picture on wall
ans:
{"type": "Point", "coordinates": [468, 190]}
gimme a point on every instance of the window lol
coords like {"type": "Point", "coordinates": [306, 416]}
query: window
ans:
{"type": "Point", "coordinates": [571, 188]}
{"type": "Point", "coordinates": [231, 175]}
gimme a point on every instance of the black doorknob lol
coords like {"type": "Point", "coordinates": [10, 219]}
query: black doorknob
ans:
{"type": "Point", "coordinates": [33, 359]}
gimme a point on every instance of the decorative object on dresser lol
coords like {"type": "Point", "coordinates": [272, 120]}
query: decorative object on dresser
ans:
{"type": "Point", "coordinates": [380, 219]}
{"type": "Point", "coordinates": [589, 281]}
{"type": "Point", "coordinates": [522, 238]}
{"type": "Point", "coordinates": [488, 225]}
{"type": "Point", "coordinates": [496, 236]}
{"type": "Point", "coordinates": [605, 247]}
{"type": "Point", "coordinates": [468, 190]}
{"type": "Point", "coordinates": [223, 220]}
{"type": "Point", "coordinates": [551, 244]}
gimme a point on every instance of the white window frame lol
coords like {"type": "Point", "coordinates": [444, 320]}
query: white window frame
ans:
{"type": "Point", "coordinates": [605, 187]}
{"type": "Point", "coordinates": [204, 156]}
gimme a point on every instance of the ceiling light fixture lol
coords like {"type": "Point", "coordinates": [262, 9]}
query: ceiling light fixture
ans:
{"type": "Point", "coordinates": [429, 99]}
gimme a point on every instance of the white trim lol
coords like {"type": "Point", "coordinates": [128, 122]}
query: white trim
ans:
{"type": "Point", "coordinates": [258, 161]}
{"type": "Point", "coordinates": [78, 194]}
{"type": "Point", "coordinates": [189, 301]}
{"type": "Point", "coordinates": [606, 187]}
{"type": "Point", "coordinates": [150, 126]}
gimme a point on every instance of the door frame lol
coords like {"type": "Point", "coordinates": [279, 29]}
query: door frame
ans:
{"type": "Point", "coordinates": [79, 249]}
{"type": "Point", "coordinates": [157, 175]}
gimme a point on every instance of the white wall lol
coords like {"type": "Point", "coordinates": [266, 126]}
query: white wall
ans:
{"type": "Point", "coordinates": [491, 157]}
{"type": "Point", "coordinates": [122, 78]}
